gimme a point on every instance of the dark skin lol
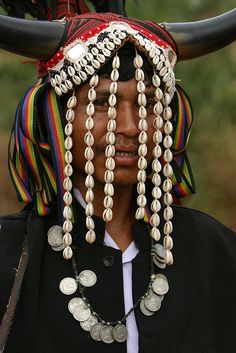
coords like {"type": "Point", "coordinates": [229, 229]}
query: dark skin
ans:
{"type": "Point", "coordinates": [127, 133]}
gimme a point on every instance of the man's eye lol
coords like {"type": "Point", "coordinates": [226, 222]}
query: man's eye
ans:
{"type": "Point", "coordinates": [101, 102]}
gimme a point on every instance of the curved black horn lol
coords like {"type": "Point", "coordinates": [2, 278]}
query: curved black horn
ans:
{"type": "Point", "coordinates": [34, 39]}
{"type": "Point", "coordinates": [195, 39]}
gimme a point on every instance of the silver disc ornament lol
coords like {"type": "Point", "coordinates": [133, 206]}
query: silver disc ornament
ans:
{"type": "Point", "coordinates": [73, 303]}
{"type": "Point", "coordinates": [152, 302]}
{"type": "Point", "coordinates": [55, 236]}
{"type": "Point", "coordinates": [87, 278]}
{"type": "Point", "coordinates": [81, 312]}
{"type": "Point", "coordinates": [68, 285]}
{"type": "Point", "coordinates": [106, 334]}
{"type": "Point", "coordinates": [95, 332]}
{"type": "Point", "coordinates": [88, 324]}
{"type": "Point", "coordinates": [144, 310]}
{"type": "Point", "coordinates": [160, 284]}
{"type": "Point", "coordinates": [120, 333]}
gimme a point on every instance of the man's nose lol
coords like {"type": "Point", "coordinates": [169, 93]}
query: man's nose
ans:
{"type": "Point", "coordinates": [127, 120]}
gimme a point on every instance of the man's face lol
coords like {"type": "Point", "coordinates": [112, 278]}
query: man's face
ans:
{"type": "Point", "coordinates": [126, 133]}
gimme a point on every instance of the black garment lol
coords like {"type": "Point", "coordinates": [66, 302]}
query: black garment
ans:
{"type": "Point", "coordinates": [198, 315]}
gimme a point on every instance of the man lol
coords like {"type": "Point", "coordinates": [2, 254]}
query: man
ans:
{"type": "Point", "coordinates": [102, 273]}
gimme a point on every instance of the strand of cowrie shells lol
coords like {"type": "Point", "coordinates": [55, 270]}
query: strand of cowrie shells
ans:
{"type": "Point", "coordinates": [67, 184]}
{"type": "Point", "coordinates": [167, 184]}
{"type": "Point", "coordinates": [110, 139]}
{"type": "Point", "coordinates": [142, 151]}
{"type": "Point", "coordinates": [89, 154]}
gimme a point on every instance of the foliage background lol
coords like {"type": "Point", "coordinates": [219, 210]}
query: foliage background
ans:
{"type": "Point", "coordinates": [210, 82]}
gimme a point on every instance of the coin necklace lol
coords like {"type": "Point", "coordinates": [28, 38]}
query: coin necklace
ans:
{"type": "Point", "coordinates": [90, 320]}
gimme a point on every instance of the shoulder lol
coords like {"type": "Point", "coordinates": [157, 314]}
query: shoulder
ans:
{"type": "Point", "coordinates": [12, 228]}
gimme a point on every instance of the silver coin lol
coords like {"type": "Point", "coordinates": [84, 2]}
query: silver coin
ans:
{"type": "Point", "coordinates": [73, 303]}
{"type": "Point", "coordinates": [106, 334]}
{"type": "Point", "coordinates": [95, 332]}
{"type": "Point", "coordinates": [160, 284]}
{"type": "Point", "coordinates": [68, 286]}
{"type": "Point", "coordinates": [160, 250]}
{"type": "Point", "coordinates": [55, 236]}
{"type": "Point", "coordinates": [144, 310]}
{"type": "Point", "coordinates": [120, 333]}
{"type": "Point", "coordinates": [152, 302]}
{"type": "Point", "coordinates": [81, 312]}
{"type": "Point", "coordinates": [87, 278]}
{"type": "Point", "coordinates": [58, 248]}
{"type": "Point", "coordinates": [159, 264]}
{"type": "Point", "coordinates": [88, 324]}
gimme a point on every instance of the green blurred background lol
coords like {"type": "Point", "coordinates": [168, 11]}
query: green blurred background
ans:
{"type": "Point", "coordinates": [211, 84]}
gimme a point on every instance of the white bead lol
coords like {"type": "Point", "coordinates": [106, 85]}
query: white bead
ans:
{"type": "Point", "coordinates": [89, 196]}
{"type": "Point", "coordinates": [67, 212]}
{"type": "Point", "coordinates": [157, 151]}
{"type": "Point", "coordinates": [63, 88]}
{"type": "Point", "coordinates": [167, 113]}
{"type": "Point", "coordinates": [167, 185]}
{"type": "Point", "coordinates": [58, 91]}
{"type": "Point", "coordinates": [142, 112]}
{"type": "Point", "coordinates": [142, 163]}
{"type": "Point", "coordinates": [107, 215]}
{"type": "Point", "coordinates": [68, 157]}
{"type": "Point", "coordinates": [83, 62]}
{"type": "Point", "coordinates": [67, 198]}
{"type": "Point", "coordinates": [156, 192]}
{"type": "Point", "coordinates": [114, 75]}
{"type": "Point", "coordinates": [168, 156]}
{"type": "Point", "coordinates": [90, 236]}
{"type": "Point", "coordinates": [155, 220]}
{"type": "Point", "coordinates": [156, 59]}
{"type": "Point", "coordinates": [143, 137]}
{"type": "Point", "coordinates": [90, 223]}
{"type": "Point", "coordinates": [166, 99]}
{"type": "Point", "coordinates": [53, 82]}
{"type": "Point", "coordinates": [95, 51]}
{"type": "Point", "coordinates": [142, 100]}
{"type": "Point", "coordinates": [90, 109]}
{"type": "Point", "coordinates": [112, 112]}
{"type": "Point", "coordinates": [77, 66]}
{"type": "Point", "coordinates": [67, 239]}
{"type": "Point", "coordinates": [167, 142]}
{"type": "Point", "coordinates": [67, 253]}
{"type": "Point", "coordinates": [159, 65]}
{"type": "Point", "coordinates": [138, 61]}
{"type": "Point", "coordinates": [152, 53]}
{"type": "Point", "coordinates": [168, 199]}
{"type": "Point", "coordinates": [89, 56]}
{"type": "Point", "coordinates": [94, 81]}
{"type": "Point", "coordinates": [139, 75]}
{"type": "Point", "coordinates": [113, 88]}
{"type": "Point", "coordinates": [89, 210]}
{"type": "Point", "coordinates": [158, 94]}
{"type": "Point", "coordinates": [109, 176]}
{"type": "Point", "coordinates": [109, 189]}
{"type": "Point", "coordinates": [92, 95]}
{"type": "Point", "coordinates": [163, 71]}
{"type": "Point", "coordinates": [89, 123]}
{"type": "Point", "coordinates": [68, 129]}
{"type": "Point", "coordinates": [88, 153]}
{"type": "Point", "coordinates": [89, 69]}
{"type": "Point", "coordinates": [70, 115]}
{"type": "Point", "coordinates": [106, 52]}
{"type": "Point", "coordinates": [101, 58]}
{"type": "Point", "coordinates": [168, 227]}
{"type": "Point", "coordinates": [141, 188]}
{"type": "Point", "coordinates": [69, 84]}
{"type": "Point", "coordinates": [112, 100]}
{"type": "Point", "coordinates": [155, 206]}
{"type": "Point", "coordinates": [168, 127]}
{"type": "Point", "coordinates": [141, 200]}
{"type": "Point", "coordinates": [68, 170]}
{"type": "Point", "coordinates": [116, 62]}
{"type": "Point", "coordinates": [142, 125]}
{"type": "Point", "coordinates": [110, 151]}
{"type": "Point", "coordinates": [89, 167]}
{"type": "Point", "coordinates": [168, 213]}
{"type": "Point", "coordinates": [71, 71]}
{"type": "Point", "coordinates": [89, 181]}
{"type": "Point", "coordinates": [157, 136]}
{"type": "Point", "coordinates": [155, 234]}
{"type": "Point", "coordinates": [139, 214]}
{"type": "Point", "coordinates": [158, 108]}
{"type": "Point", "coordinates": [67, 184]}
{"type": "Point", "coordinates": [141, 176]}
{"type": "Point", "coordinates": [156, 80]}
{"type": "Point", "coordinates": [108, 202]}
{"type": "Point", "coordinates": [156, 165]}
{"type": "Point", "coordinates": [167, 170]}
{"type": "Point", "coordinates": [169, 257]}
{"type": "Point", "coordinates": [110, 138]}
{"type": "Point", "coordinates": [158, 122]}
{"type": "Point", "coordinates": [156, 179]}
{"type": "Point", "coordinates": [111, 125]}
{"type": "Point", "coordinates": [141, 87]}
{"type": "Point", "coordinates": [110, 163]}
{"type": "Point", "coordinates": [76, 79]}
{"type": "Point", "coordinates": [83, 75]}
{"type": "Point", "coordinates": [168, 242]}
{"type": "Point", "coordinates": [72, 101]}
{"type": "Point", "coordinates": [89, 139]}
{"type": "Point", "coordinates": [58, 79]}
{"type": "Point", "coordinates": [68, 143]}
{"type": "Point", "coordinates": [111, 47]}
{"type": "Point", "coordinates": [67, 226]}
{"type": "Point", "coordinates": [142, 150]}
